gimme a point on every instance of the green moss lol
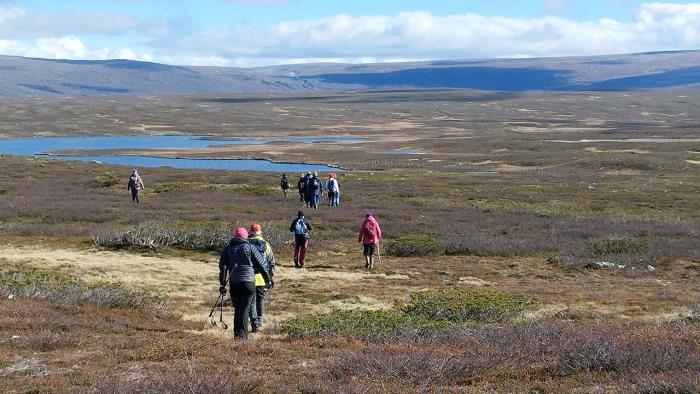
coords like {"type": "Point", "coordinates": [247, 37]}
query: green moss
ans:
{"type": "Point", "coordinates": [29, 282]}
{"type": "Point", "coordinates": [426, 311]}
{"type": "Point", "coordinates": [107, 180]}
{"type": "Point", "coordinates": [360, 323]}
{"type": "Point", "coordinates": [459, 305]}
{"type": "Point", "coordinates": [615, 245]}
{"type": "Point", "coordinates": [242, 188]}
{"type": "Point", "coordinates": [414, 245]}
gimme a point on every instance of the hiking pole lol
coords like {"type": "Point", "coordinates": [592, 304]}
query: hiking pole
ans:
{"type": "Point", "coordinates": [211, 312]}
{"type": "Point", "coordinates": [379, 254]}
{"type": "Point", "coordinates": [221, 315]}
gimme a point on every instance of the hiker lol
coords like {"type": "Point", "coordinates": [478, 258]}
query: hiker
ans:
{"type": "Point", "coordinates": [300, 227]}
{"type": "Point", "coordinates": [135, 185]}
{"type": "Point", "coordinates": [301, 185]}
{"type": "Point", "coordinates": [336, 197]}
{"type": "Point", "coordinates": [241, 261]}
{"type": "Point", "coordinates": [331, 189]}
{"type": "Point", "coordinates": [308, 191]}
{"type": "Point", "coordinates": [369, 236]}
{"type": "Point", "coordinates": [284, 184]}
{"type": "Point", "coordinates": [317, 189]}
{"type": "Point", "coordinates": [257, 307]}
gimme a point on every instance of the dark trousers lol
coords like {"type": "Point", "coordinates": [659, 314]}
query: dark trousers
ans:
{"type": "Point", "coordinates": [257, 308]}
{"type": "Point", "coordinates": [135, 195]}
{"type": "Point", "coordinates": [242, 296]}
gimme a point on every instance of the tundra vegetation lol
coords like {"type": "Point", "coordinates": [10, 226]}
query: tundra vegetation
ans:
{"type": "Point", "coordinates": [488, 279]}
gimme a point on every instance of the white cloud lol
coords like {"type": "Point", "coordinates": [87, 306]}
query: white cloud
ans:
{"type": "Point", "coordinates": [421, 35]}
{"type": "Point", "coordinates": [66, 47]}
{"type": "Point", "coordinates": [346, 38]}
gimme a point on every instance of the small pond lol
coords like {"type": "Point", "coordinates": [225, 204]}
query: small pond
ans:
{"type": "Point", "coordinates": [403, 152]}
{"type": "Point", "coordinates": [34, 146]}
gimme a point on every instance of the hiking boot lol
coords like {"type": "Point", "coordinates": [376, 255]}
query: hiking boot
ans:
{"type": "Point", "coordinates": [254, 328]}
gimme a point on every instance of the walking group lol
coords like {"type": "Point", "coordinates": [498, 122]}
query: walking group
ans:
{"type": "Point", "coordinates": [311, 187]}
{"type": "Point", "coordinates": [247, 263]}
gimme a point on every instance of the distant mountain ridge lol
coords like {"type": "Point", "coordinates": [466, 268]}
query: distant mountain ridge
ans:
{"type": "Point", "coordinates": [57, 77]}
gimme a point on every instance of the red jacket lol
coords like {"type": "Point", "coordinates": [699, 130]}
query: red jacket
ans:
{"type": "Point", "coordinates": [369, 233]}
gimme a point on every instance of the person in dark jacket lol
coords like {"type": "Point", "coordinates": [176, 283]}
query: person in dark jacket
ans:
{"type": "Point", "coordinates": [308, 190]}
{"type": "Point", "coordinates": [240, 261]}
{"type": "Point", "coordinates": [317, 189]}
{"type": "Point", "coordinates": [300, 227]}
{"type": "Point", "coordinates": [301, 186]}
{"type": "Point", "coordinates": [257, 308]}
{"type": "Point", "coordinates": [284, 184]}
{"type": "Point", "coordinates": [135, 185]}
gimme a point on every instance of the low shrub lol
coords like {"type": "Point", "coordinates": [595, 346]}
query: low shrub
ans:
{"type": "Point", "coordinates": [633, 358]}
{"type": "Point", "coordinates": [425, 313]}
{"type": "Point", "coordinates": [106, 180]}
{"type": "Point", "coordinates": [693, 315]}
{"type": "Point", "coordinates": [414, 245]}
{"type": "Point", "coordinates": [28, 282]}
{"type": "Point", "coordinates": [615, 245]}
{"type": "Point", "coordinates": [459, 305]}
{"type": "Point", "coordinates": [154, 235]}
{"type": "Point", "coordinates": [358, 323]}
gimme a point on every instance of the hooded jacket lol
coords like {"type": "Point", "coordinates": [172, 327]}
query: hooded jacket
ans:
{"type": "Point", "coordinates": [365, 235]}
{"type": "Point", "coordinates": [240, 261]}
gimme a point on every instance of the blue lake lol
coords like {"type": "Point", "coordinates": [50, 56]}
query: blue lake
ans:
{"type": "Point", "coordinates": [35, 146]}
{"type": "Point", "coordinates": [403, 152]}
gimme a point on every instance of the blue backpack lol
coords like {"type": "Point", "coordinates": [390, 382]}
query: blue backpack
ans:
{"type": "Point", "coordinates": [300, 227]}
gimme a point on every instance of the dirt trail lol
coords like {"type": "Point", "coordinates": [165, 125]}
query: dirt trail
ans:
{"type": "Point", "coordinates": [190, 282]}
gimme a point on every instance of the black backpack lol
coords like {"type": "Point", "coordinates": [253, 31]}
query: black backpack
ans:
{"type": "Point", "coordinates": [285, 183]}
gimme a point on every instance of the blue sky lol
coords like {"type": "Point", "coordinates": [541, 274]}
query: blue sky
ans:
{"type": "Point", "coordinates": [265, 32]}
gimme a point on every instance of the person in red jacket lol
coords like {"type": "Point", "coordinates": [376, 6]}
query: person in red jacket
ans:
{"type": "Point", "coordinates": [369, 236]}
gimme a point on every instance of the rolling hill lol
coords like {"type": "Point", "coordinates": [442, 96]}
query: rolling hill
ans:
{"type": "Point", "coordinates": [56, 77]}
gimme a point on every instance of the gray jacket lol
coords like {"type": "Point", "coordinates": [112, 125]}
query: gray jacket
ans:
{"type": "Point", "coordinates": [241, 262]}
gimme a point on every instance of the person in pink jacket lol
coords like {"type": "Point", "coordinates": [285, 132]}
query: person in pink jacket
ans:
{"type": "Point", "coordinates": [369, 235]}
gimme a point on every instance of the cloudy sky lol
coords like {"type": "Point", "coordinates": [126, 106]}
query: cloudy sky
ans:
{"type": "Point", "coordinates": [265, 32]}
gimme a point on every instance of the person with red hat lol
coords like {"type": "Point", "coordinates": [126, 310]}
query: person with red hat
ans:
{"type": "Point", "coordinates": [240, 261]}
{"type": "Point", "coordinates": [257, 308]}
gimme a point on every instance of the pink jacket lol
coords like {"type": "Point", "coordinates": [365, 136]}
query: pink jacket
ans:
{"type": "Point", "coordinates": [365, 235]}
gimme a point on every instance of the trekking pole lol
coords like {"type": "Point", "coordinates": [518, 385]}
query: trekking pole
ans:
{"type": "Point", "coordinates": [211, 312]}
{"type": "Point", "coordinates": [379, 254]}
{"type": "Point", "coordinates": [221, 314]}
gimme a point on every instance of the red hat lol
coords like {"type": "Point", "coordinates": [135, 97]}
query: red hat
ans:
{"type": "Point", "coordinates": [241, 232]}
{"type": "Point", "coordinates": [255, 228]}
